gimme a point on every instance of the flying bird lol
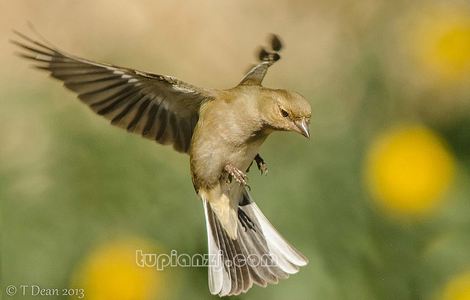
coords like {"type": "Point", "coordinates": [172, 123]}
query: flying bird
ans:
{"type": "Point", "coordinates": [221, 130]}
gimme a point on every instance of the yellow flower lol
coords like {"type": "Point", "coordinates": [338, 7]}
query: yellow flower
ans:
{"type": "Point", "coordinates": [458, 288]}
{"type": "Point", "coordinates": [408, 169]}
{"type": "Point", "coordinates": [110, 272]}
{"type": "Point", "coordinates": [440, 40]}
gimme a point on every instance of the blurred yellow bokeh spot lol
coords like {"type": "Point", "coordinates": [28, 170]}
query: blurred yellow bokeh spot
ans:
{"type": "Point", "coordinates": [441, 42]}
{"type": "Point", "coordinates": [110, 272]}
{"type": "Point", "coordinates": [408, 169]}
{"type": "Point", "coordinates": [458, 288]}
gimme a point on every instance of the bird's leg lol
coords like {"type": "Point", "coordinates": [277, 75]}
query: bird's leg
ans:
{"type": "Point", "coordinates": [248, 169]}
{"type": "Point", "coordinates": [262, 165]}
{"type": "Point", "coordinates": [235, 173]}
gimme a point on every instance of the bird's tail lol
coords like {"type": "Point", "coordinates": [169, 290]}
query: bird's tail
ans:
{"type": "Point", "coordinates": [259, 255]}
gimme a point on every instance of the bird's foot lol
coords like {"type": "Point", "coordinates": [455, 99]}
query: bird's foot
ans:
{"type": "Point", "coordinates": [262, 165]}
{"type": "Point", "coordinates": [245, 220]}
{"type": "Point", "coordinates": [236, 174]}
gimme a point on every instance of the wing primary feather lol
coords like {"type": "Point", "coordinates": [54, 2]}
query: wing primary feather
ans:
{"type": "Point", "coordinates": [114, 104]}
{"type": "Point", "coordinates": [72, 64]}
{"type": "Point", "coordinates": [185, 138]}
{"type": "Point", "coordinates": [263, 54]}
{"type": "Point", "coordinates": [159, 107]}
{"type": "Point", "coordinates": [276, 43]}
{"type": "Point", "coordinates": [151, 119]}
{"type": "Point", "coordinates": [138, 115]}
{"type": "Point", "coordinates": [125, 92]}
{"type": "Point", "coordinates": [126, 109]}
{"type": "Point", "coordinates": [266, 58]}
{"type": "Point", "coordinates": [34, 58]}
{"type": "Point", "coordinates": [108, 87]}
{"type": "Point", "coordinates": [174, 130]}
{"type": "Point", "coordinates": [92, 80]}
{"type": "Point", "coordinates": [65, 72]}
{"type": "Point", "coordinates": [32, 49]}
{"type": "Point", "coordinates": [33, 41]}
{"type": "Point", "coordinates": [163, 122]}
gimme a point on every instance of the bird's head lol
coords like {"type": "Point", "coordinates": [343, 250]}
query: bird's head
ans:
{"type": "Point", "coordinates": [287, 111]}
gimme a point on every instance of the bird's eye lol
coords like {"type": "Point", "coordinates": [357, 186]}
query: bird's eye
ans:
{"type": "Point", "coordinates": [284, 113]}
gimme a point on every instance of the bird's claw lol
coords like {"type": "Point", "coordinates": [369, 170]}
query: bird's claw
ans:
{"type": "Point", "coordinates": [263, 168]}
{"type": "Point", "coordinates": [236, 174]}
{"type": "Point", "coordinates": [262, 165]}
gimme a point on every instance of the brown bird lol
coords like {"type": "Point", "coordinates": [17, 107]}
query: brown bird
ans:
{"type": "Point", "coordinates": [221, 130]}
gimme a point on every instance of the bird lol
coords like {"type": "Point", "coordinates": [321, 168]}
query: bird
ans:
{"type": "Point", "coordinates": [221, 131]}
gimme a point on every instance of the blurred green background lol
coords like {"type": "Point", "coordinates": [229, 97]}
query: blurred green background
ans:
{"type": "Point", "coordinates": [378, 199]}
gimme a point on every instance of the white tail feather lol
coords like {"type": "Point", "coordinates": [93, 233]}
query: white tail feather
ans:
{"type": "Point", "coordinates": [217, 274]}
{"type": "Point", "coordinates": [276, 242]}
{"type": "Point", "coordinates": [262, 239]}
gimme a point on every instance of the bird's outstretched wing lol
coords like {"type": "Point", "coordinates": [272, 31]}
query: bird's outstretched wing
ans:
{"type": "Point", "coordinates": [158, 107]}
{"type": "Point", "coordinates": [267, 58]}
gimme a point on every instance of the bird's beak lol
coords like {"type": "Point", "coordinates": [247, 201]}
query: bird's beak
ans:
{"type": "Point", "coordinates": [302, 127]}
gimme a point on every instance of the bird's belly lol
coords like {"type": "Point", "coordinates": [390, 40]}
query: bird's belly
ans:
{"type": "Point", "coordinates": [242, 157]}
{"type": "Point", "coordinates": [208, 158]}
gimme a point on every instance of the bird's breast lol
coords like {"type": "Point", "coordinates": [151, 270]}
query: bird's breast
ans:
{"type": "Point", "coordinates": [229, 131]}
{"type": "Point", "coordinates": [215, 146]}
